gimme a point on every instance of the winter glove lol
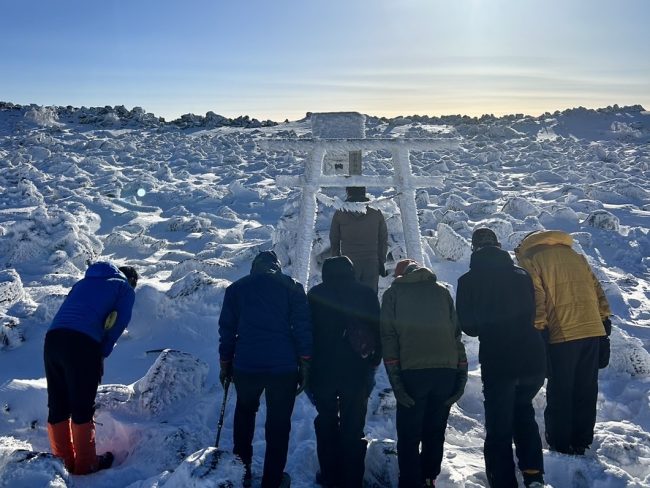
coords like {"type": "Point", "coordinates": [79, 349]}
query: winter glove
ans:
{"type": "Point", "coordinates": [461, 381]}
{"type": "Point", "coordinates": [399, 390]}
{"type": "Point", "coordinates": [225, 373]}
{"type": "Point", "coordinates": [604, 352]}
{"type": "Point", "coordinates": [303, 375]}
{"type": "Point", "coordinates": [608, 326]}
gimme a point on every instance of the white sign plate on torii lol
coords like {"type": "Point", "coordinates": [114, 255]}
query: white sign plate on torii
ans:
{"type": "Point", "coordinates": [313, 179]}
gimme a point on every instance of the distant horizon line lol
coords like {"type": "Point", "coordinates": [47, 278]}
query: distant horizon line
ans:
{"type": "Point", "coordinates": [615, 106]}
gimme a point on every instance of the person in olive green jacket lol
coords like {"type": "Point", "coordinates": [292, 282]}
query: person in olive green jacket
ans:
{"type": "Point", "coordinates": [571, 305]}
{"type": "Point", "coordinates": [426, 365]}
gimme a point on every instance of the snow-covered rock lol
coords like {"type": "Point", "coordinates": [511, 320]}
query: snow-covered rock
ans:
{"type": "Point", "coordinates": [381, 464]}
{"type": "Point", "coordinates": [450, 245]}
{"type": "Point", "coordinates": [602, 219]}
{"type": "Point", "coordinates": [207, 468]}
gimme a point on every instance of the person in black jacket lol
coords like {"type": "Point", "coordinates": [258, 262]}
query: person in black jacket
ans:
{"type": "Point", "coordinates": [265, 345]}
{"type": "Point", "coordinates": [345, 317]}
{"type": "Point", "coordinates": [495, 301]}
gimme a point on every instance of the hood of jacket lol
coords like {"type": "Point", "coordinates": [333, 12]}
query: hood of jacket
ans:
{"type": "Point", "coordinates": [490, 257]}
{"type": "Point", "coordinates": [417, 275]}
{"type": "Point", "coordinates": [546, 237]}
{"type": "Point", "coordinates": [337, 269]}
{"type": "Point", "coordinates": [102, 269]}
{"type": "Point", "coordinates": [265, 262]}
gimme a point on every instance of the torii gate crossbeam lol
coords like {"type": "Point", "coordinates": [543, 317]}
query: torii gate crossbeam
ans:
{"type": "Point", "coordinates": [313, 178]}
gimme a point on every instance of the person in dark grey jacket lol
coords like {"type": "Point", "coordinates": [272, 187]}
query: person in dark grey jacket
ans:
{"type": "Point", "coordinates": [363, 237]}
{"type": "Point", "coordinates": [495, 301]}
{"type": "Point", "coordinates": [339, 376]}
{"type": "Point", "coordinates": [426, 365]}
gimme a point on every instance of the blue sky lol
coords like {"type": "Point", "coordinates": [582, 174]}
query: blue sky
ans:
{"type": "Point", "coordinates": [282, 58]}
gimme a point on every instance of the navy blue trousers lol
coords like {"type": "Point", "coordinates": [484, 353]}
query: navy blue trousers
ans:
{"type": "Point", "coordinates": [73, 368]}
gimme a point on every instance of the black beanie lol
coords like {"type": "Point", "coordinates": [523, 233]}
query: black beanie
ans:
{"type": "Point", "coordinates": [131, 275]}
{"type": "Point", "coordinates": [484, 237]}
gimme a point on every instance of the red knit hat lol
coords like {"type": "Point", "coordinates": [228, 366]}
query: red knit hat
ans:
{"type": "Point", "coordinates": [402, 265]}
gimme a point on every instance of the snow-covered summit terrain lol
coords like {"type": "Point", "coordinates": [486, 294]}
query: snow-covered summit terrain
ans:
{"type": "Point", "coordinates": [190, 202]}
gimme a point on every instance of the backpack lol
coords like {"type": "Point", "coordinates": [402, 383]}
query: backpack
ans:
{"type": "Point", "coordinates": [361, 338]}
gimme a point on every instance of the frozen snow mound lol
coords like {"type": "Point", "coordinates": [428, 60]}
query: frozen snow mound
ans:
{"type": "Point", "coordinates": [212, 267]}
{"type": "Point", "coordinates": [11, 288]}
{"type": "Point", "coordinates": [450, 245]}
{"type": "Point", "coordinates": [20, 467]}
{"type": "Point", "coordinates": [628, 354]}
{"type": "Point", "coordinates": [602, 219]}
{"type": "Point", "coordinates": [207, 468]}
{"type": "Point", "coordinates": [520, 208]}
{"type": "Point", "coordinates": [11, 334]}
{"type": "Point", "coordinates": [625, 446]}
{"type": "Point", "coordinates": [174, 378]}
{"type": "Point", "coordinates": [381, 464]}
{"type": "Point", "coordinates": [196, 285]}
{"type": "Point", "coordinates": [42, 116]}
{"type": "Point", "coordinates": [51, 235]}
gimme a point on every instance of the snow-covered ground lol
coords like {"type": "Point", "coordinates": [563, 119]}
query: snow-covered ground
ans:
{"type": "Point", "coordinates": [191, 203]}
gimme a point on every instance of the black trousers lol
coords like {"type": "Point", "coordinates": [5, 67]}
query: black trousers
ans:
{"type": "Point", "coordinates": [425, 422]}
{"type": "Point", "coordinates": [509, 415]}
{"type": "Point", "coordinates": [280, 395]}
{"type": "Point", "coordinates": [73, 364]}
{"type": "Point", "coordinates": [571, 394]}
{"type": "Point", "coordinates": [340, 442]}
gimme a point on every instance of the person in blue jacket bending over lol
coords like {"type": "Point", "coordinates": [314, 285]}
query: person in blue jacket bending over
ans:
{"type": "Point", "coordinates": [83, 333]}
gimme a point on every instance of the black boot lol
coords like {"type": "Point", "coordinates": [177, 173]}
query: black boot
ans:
{"type": "Point", "coordinates": [286, 481]}
{"type": "Point", "coordinates": [105, 461]}
{"type": "Point", "coordinates": [248, 476]}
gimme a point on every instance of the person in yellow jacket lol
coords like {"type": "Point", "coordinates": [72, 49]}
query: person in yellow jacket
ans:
{"type": "Point", "coordinates": [571, 305]}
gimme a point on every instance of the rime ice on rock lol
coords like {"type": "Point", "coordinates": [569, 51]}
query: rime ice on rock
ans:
{"type": "Point", "coordinates": [23, 467]}
{"type": "Point", "coordinates": [207, 468]}
{"type": "Point", "coordinates": [450, 245]}
{"type": "Point", "coordinates": [628, 354]}
{"type": "Point", "coordinates": [174, 377]}
{"type": "Point", "coordinates": [602, 219]}
{"type": "Point", "coordinates": [520, 208]}
{"type": "Point", "coordinates": [381, 464]}
{"type": "Point", "coordinates": [11, 288]}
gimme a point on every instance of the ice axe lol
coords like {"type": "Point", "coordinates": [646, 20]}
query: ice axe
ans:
{"type": "Point", "coordinates": [223, 412]}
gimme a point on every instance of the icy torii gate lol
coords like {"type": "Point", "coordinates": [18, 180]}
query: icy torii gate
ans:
{"type": "Point", "coordinates": [313, 179]}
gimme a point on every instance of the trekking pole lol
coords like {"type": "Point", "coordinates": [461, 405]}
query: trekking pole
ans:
{"type": "Point", "coordinates": [222, 413]}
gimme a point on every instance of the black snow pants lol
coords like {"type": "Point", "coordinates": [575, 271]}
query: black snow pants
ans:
{"type": "Point", "coordinates": [280, 394]}
{"type": "Point", "coordinates": [73, 368]}
{"type": "Point", "coordinates": [509, 415]}
{"type": "Point", "coordinates": [339, 425]}
{"type": "Point", "coordinates": [571, 394]}
{"type": "Point", "coordinates": [425, 422]}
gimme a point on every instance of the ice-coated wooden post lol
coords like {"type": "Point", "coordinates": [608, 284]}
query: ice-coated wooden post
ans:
{"type": "Point", "coordinates": [407, 204]}
{"type": "Point", "coordinates": [307, 219]}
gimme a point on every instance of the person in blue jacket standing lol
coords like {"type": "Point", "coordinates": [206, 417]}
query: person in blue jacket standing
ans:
{"type": "Point", "coordinates": [83, 333]}
{"type": "Point", "coordinates": [265, 345]}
